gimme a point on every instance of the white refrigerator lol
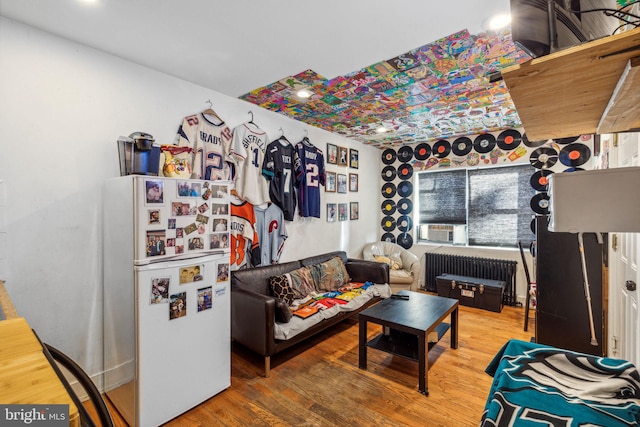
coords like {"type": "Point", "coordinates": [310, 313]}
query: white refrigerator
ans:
{"type": "Point", "coordinates": [166, 300]}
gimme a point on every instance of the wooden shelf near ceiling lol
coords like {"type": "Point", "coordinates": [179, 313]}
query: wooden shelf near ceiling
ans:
{"type": "Point", "coordinates": [566, 93]}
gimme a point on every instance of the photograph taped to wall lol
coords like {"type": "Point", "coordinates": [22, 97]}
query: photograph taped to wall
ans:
{"type": "Point", "coordinates": [189, 189]}
{"type": "Point", "coordinates": [332, 210]}
{"type": "Point", "coordinates": [205, 296]}
{"type": "Point", "coordinates": [183, 208]}
{"type": "Point", "coordinates": [330, 186]}
{"type": "Point", "coordinates": [219, 209]}
{"type": "Point", "coordinates": [192, 273]}
{"type": "Point", "coordinates": [202, 218]}
{"type": "Point", "coordinates": [223, 272]}
{"type": "Point", "coordinates": [219, 240]}
{"type": "Point", "coordinates": [219, 191]}
{"type": "Point", "coordinates": [190, 228]}
{"type": "Point", "coordinates": [177, 305]}
{"type": "Point", "coordinates": [332, 154]}
{"type": "Point", "coordinates": [203, 208]}
{"type": "Point", "coordinates": [154, 192]}
{"type": "Point", "coordinates": [219, 224]}
{"type": "Point", "coordinates": [196, 243]}
{"type": "Point", "coordinates": [156, 242]}
{"type": "Point", "coordinates": [160, 290]}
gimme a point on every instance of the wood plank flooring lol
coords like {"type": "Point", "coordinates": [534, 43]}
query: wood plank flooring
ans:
{"type": "Point", "coordinates": [318, 383]}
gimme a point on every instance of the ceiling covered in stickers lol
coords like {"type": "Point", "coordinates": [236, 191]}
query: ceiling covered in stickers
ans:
{"type": "Point", "coordinates": [439, 90]}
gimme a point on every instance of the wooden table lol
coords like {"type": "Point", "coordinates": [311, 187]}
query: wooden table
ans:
{"type": "Point", "coordinates": [26, 376]}
{"type": "Point", "coordinates": [407, 326]}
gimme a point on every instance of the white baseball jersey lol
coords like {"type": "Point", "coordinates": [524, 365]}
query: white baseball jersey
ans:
{"type": "Point", "coordinates": [210, 138]}
{"type": "Point", "coordinates": [247, 153]}
{"type": "Point", "coordinates": [271, 233]}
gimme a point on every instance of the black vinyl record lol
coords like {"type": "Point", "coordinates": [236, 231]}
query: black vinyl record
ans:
{"type": "Point", "coordinates": [422, 151]}
{"type": "Point", "coordinates": [484, 143]}
{"type": "Point", "coordinates": [388, 156]}
{"type": "Point", "coordinates": [388, 237]}
{"type": "Point", "coordinates": [532, 144]}
{"type": "Point", "coordinates": [543, 157]}
{"type": "Point", "coordinates": [509, 139]}
{"type": "Point", "coordinates": [441, 148]}
{"type": "Point", "coordinates": [532, 225]}
{"type": "Point", "coordinates": [405, 188]}
{"type": "Point", "coordinates": [405, 171]}
{"type": "Point", "coordinates": [389, 190]}
{"type": "Point", "coordinates": [388, 223]}
{"type": "Point", "coordinates": [405, 224]}
{"type": "Point", "coordinates": [405, 206]}
{"type": "Point", "coordinates": [575, 154]}
{"type": "Point", "coordinates": [572, 170]}
{"type": "Point", "coordinates": [564, 141]}
{"type": "Point", "coordinates": [388, 207]}
{"type": "Point", "coordinates": [388, 173]}
{"type": "Point", "coordinates": [540, 180]}
{"type": "Point", "coordinates": [405, 154]}
{"type": "Point", "coordinates": [405, 240]}
{"type": "Point", "coordinates": [462, 146]}
{"type": "Point", "coordinates": [540, 203]}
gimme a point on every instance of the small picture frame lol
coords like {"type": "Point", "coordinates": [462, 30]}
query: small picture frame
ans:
{"type": "Point", "coordinates": [353, 158]}
{"type": "Point", "coordinates": [342, 183]}
{"type": "Point", "coordinates": [330, 186]}
{"type": "Point", "coordinates": [342, 211]}
{"type": "Point", "coordinates": [353, 182]}
{"type": "Point", "coordinates": [332, 154]}
{"type": "Point", "coordinates": [342, 156]}
{"type": "Point", "coordinates": [332, 212]}
{"type": "Point", "coordinates": [354, 211]}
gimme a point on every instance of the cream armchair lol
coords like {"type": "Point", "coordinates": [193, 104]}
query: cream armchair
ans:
{"type": "Point", "coordinates": [404, 267]}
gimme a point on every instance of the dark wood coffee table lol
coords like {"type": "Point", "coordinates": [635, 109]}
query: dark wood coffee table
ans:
{"type": "Point", "coordinates": [407, 326]}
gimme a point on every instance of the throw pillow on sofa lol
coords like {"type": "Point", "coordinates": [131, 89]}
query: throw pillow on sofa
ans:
{"type": "Point", "coordinates": [281, 289]}
{"type": "Point", "coordinates": [394, 265]}
{"type": "Point", "coordinates": [283, 312]}
{"type": "Point", "coordinates": [330, 275]}
{"type": "Point", "coordinates": [301, 282]}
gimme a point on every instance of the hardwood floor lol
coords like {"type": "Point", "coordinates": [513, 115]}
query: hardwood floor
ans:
{"type": "Point", "coordinates": [318, 383]}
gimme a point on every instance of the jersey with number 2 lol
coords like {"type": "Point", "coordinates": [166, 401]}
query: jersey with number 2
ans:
{"type": "Point", "coordinates": [309, 167]}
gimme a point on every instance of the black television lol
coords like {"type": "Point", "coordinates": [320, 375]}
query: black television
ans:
{"type": "Point", "coordinates": [540, 27]}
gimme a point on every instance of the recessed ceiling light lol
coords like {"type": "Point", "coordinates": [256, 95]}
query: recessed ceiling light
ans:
{"type": "Point", "coordinates": [382, 129]}
{"type": "Point", "coordinates": [499, 21]}
{"type": "Point", "coordinates": [303, 93]}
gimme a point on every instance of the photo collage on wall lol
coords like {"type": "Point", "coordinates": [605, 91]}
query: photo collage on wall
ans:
{"type": "Point", "coordinates": [342, 183]}
{"type": "Point", "coordinates": [510, 146]}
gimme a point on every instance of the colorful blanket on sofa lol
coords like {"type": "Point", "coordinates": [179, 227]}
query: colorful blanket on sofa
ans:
{"type": "Point", "coordinates": [538, 385]}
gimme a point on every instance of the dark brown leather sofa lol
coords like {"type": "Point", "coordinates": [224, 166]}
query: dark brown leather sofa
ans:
{"type": "Point", "coordinates": [253, 307]}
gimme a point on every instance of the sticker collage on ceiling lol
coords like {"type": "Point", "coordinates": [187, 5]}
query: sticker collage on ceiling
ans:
{"type": "Point", "coordinates": [508, 147]}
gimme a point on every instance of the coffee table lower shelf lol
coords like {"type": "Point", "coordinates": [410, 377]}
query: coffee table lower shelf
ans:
{"type": "Point", "coordinates": [405, 344]}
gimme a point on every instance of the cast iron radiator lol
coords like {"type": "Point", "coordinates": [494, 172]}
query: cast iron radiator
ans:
{"type": "Point", "coordinates": [482, 268]}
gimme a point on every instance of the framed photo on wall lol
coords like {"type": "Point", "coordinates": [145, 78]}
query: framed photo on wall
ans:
{"type": "Point", "coordinates": [342, 156]}
{"type": "Point", "coordinates": [354, 210]}
{"type": "Point", "coordinates": [353, 182]}
{"type": "Point", "coordinates": [353, 158]}
{"type": "Point", "coordinates": [332, 154]}
{"type": "Point", "coordinates": [342, 183]}
{"type": "Point", "coordinates": [332, 212]}
{"type": "Point", "coordinates": [342, 211]}
{"type": "Point", "coordinates": [330, 186]}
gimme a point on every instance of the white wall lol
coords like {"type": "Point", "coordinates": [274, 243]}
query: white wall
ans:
{"type": "Point", "coordinates": [62, 107]}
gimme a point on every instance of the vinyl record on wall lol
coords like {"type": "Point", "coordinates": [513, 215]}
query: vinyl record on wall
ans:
{"type": "Point", "coordinates": [388, 190]}
{"type": "Point", "coordinates": [388, 223]}
{"type": "Point", "coordinates": [405, 206]}
{"type": "Point", "coordinates": [405, 171]}
{"type": "Point", "coordinates": [388, 156]}
{"type": "Point", "coordinates": [388, 173]}
{"type": "Point", "coordinates": [462, 146]}
{"type": "Point", "coordinates": [422, 151]}
{"type": "Point", "coordinates": [572, 170]}
{"type": "Point", "coordinates": [509, 139]}
{"type": "Point", "coordinates": [563, 141]}
{"type": "Point", "coordinates": [543, 157]}
{"type": "Point", "coordinates": [405, 224]}
{"type": "Point", "coordinates": [441, 148]}
{"type": "Point", "coordinates": [405, 188]}
{"type": "Point", "coordinates": [405, 240]}
{"type": "Point", "coordinates": [540, 180]}
{"type": "Point", "coordinates": [388, 237]}
{"type": "Point", "coordinates": [532, 144]}
{"type": "Point", "coordinates": [484, 143]}
{"type": "Point", "coordinates": [540, 203]}
{"type": "Point", "coordinates": [388, 207]}
{"type": "Point", "coordinates": [405, 154]}
{"type": "Point", "coordinates": [575, 154]}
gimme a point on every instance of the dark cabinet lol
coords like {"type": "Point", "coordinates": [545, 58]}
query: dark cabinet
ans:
{"type": "Point", "coordinates": [562, 316]}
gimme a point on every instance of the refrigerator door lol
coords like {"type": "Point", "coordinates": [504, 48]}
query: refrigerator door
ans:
{"type": "Point", "coordinates": [183, 345]}
{"type": "Point", "coordinates": [179, 218]}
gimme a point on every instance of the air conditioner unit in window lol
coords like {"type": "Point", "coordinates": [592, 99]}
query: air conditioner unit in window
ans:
{"type": "Point", "coordinates": [440, 233]}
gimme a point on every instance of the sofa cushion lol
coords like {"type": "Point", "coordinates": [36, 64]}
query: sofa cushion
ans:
{"type": "Point", "coordinates": [330, 275]}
